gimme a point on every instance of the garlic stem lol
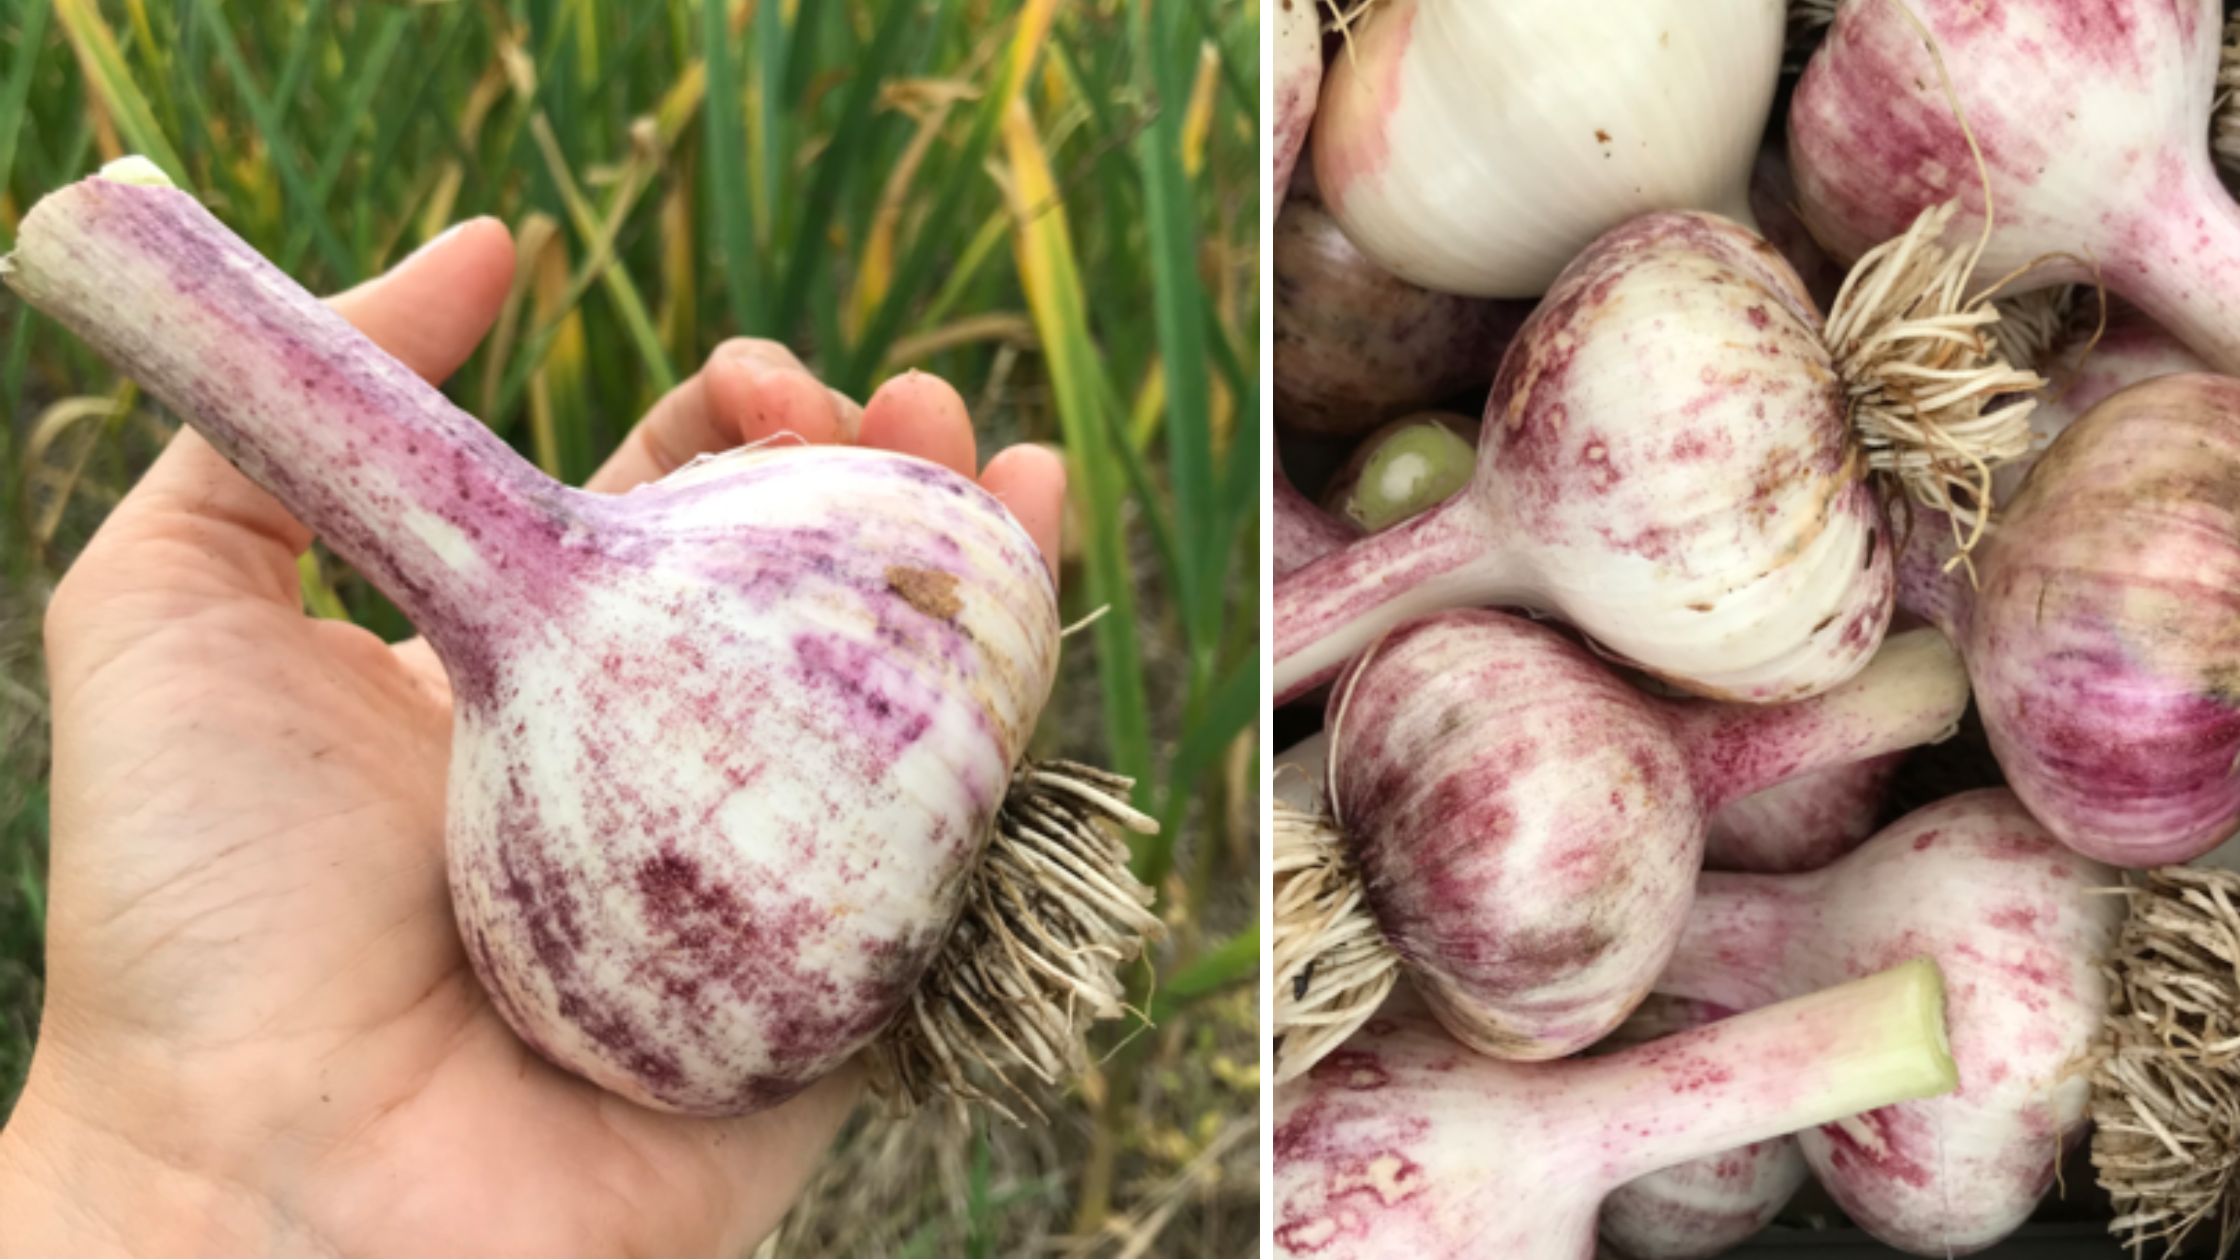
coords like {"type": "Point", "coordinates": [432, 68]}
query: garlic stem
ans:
{"type": "Point", "coordinates": [1932, 583]}
{"type": "Point", "coordinates": [1912, 692]}
{"type": "Point", "coordinates": [1805, 1062]}
{"type": "Point", "coordinates": [1448, 557]}
{"type": "Point", "coordinates": [1735, 921]}
{"type": "Point", "coordinates": [422, 498]}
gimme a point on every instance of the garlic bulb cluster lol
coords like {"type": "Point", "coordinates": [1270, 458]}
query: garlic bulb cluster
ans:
{"type": "Point", "coordinates": [1475, 148]}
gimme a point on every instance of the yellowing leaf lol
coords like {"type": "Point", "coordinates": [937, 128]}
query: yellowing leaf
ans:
{"type": "Point", "coordinates": [1199, 118]}
{"type": "Point", "coordinates": [110, 82]}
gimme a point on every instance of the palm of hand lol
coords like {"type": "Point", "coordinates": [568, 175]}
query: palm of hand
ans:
{"type": "Point", "coordinates": [295, 973]}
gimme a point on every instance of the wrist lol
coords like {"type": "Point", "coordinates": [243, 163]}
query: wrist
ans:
{"type": "Point", "coordinates": [72, 1187]}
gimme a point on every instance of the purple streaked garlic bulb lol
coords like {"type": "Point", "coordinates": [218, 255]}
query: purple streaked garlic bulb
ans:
{"type": "Point", "coordinates": [2093, 120]}
{"type": "Point", "coordinates": [1679, 457]}
{"type": "Point", "coordinates": [728, 749]}
{"type": "Point", "coordinates": [709, 867]}
{"type": "Point", "coordinates": [2103, 632]}
{"type": "Point", "coordinates": [2021, 928]}
{"type": "Point", "coordinates": [1518, 831]}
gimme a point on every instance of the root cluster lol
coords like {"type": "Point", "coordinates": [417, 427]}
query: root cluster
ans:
{"type": "Point", "coordinates": [1051, 915]}
{"type": "Point", "coordinates": [1331, 966]}
{"type": "Point", "coordinates": [2166, 1091]}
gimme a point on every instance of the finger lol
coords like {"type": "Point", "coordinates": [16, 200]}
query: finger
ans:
{"type": "Point", "coordinates": [748, 391]}
{"type": "Point", "coordinates": [1031, 481]}
{"type": "Point", "coordinates": [920, 414]}
{"type": "Point", "coordinates": [429, 312]}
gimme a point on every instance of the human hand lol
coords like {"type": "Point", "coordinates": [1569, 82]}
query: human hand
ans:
{"type": "Point", "coordinates": [261, 1033]}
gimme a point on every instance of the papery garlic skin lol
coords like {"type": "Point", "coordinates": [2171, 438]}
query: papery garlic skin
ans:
{"type": "Point", "coordinates": [2092, 122]}
{"type": "Point", "coordinates": [1298, 71]}
{"type": "Point", "coordinates": [1475, 148]}
{"type": "Point", "coordinates": [1666, 463]}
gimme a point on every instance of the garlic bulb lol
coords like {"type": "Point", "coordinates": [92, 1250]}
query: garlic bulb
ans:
{"type": "Point", "coordinates": [1356, 345]}
{"type": "Point", "coordinates": [2092, 122]}
{"type": "Point", "coordinates": [1665, 464]}
{"type": "Point", "coordinates": [1475, 147]}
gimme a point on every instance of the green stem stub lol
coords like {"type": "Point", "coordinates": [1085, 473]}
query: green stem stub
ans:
{"type": "Point", "coordinates": [134, 169]}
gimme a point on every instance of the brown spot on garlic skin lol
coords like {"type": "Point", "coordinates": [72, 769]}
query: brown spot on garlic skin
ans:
{"type": "Point", "coordinates": [2014, 921]}
{"type": "Point", "coordinates": [930, 591]}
